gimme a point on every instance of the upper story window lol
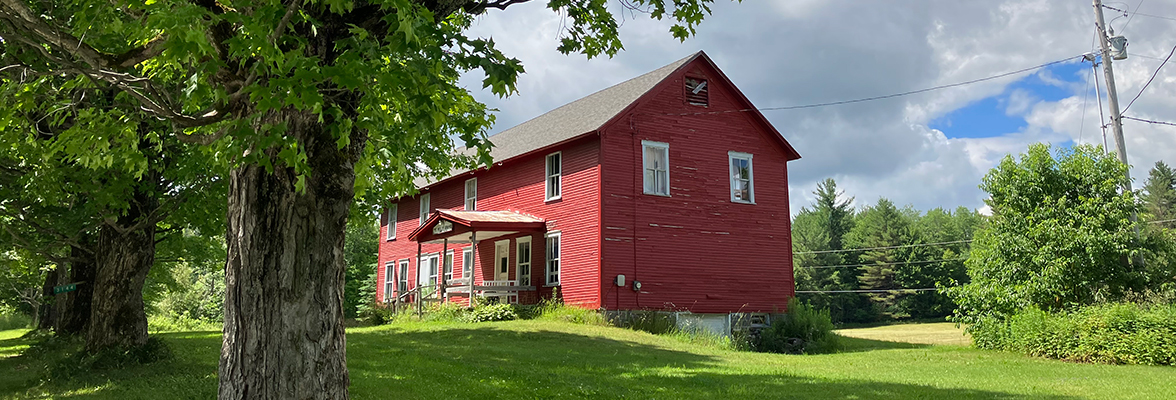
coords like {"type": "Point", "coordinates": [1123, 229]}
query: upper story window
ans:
{"type": "Point", "coordinates": [554, 175]}
{"type": "Point", "coordinates": [392, 222]}
{"type": "Point", "coordinates": [742, 178]}
{"type": "Point", "coordinates": [697, 92]}
{"type": "Point", "coordinates": [655, 159]}
{"type": "Point", "coordinates": [426, 208]}
{"type": "Point", "coordinates": [471, 194]}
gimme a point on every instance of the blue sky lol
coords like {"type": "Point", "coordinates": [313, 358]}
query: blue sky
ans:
{"type": "Point", "coordinates": [992, 117]}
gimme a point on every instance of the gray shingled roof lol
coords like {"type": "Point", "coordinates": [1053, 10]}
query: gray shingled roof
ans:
{"type": "Point", "coordinates": [573, 119]}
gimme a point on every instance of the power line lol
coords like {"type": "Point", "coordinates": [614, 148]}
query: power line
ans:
{"type": "Point", "coordinates": [878, 264]}
{"type": "Point", "coordinates": [867, 290]}
{"type": "Point", "coordinates": [882, 248]}
{"type": "Point", "coordinates": [1149, 81]}
{"type": "Point", "coordinates": [1138, 13]}
{"type": "Point", "coordinates": [889, 96]}
{"type": "Point", "coordinates": [1124, 27]}
{"type": "Point", "coordinates": [1148, 121]}
{"type": "Point", "coordinates": [1161, 221]}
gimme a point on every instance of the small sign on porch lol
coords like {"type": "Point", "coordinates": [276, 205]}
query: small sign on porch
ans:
{"type": "Point", "coordinates": [442, 227]}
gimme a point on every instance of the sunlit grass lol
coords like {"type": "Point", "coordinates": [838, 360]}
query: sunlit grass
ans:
{"type": "Point", "coordinates": [555, 359]}
{"type": "Point", "coordinates": [942, 333]}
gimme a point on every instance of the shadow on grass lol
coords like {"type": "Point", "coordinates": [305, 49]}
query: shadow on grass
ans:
{"type": "Point", "coordinates": [190, 374]}
{"type": "Point", "coordinates": [855, 345]}
{"type": "Point", "coordinates": [485, 362]}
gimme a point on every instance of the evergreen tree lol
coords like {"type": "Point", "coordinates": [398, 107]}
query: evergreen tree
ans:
{"type": "Point", "coordinates": [882, 225]}
{"type": "Point", "coordinates": [822, 228]}
{"type": "Point", "coordinates": [1159, 196]}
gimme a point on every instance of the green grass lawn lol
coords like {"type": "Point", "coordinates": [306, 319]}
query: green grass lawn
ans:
{"type": "Point", "coordinates": [942, 333]}
{"type": "Point", "coordinates": [545, 359]}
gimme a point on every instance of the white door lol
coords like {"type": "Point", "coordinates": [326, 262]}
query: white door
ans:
{"type": "Point", "coordinates": [427, 271]}
{"type": "Point", "coordinates": [501, 265]}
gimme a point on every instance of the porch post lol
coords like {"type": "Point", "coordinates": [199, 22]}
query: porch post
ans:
{"type": "Point", "coordinates": [419, 298]}
{"type": "Point", "coordinates": [473, 265]}
{"type": "Point", "coordinates": [443, 284]}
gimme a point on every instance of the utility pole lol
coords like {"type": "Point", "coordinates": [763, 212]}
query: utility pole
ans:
{"type": "Point", "coordinates": [1116, 118]}
{"type": "Point", "coordinates": [1112, 94]}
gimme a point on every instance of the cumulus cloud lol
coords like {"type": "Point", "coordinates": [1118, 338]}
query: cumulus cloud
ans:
{"type": "Point", "coordinates": [807, 51]}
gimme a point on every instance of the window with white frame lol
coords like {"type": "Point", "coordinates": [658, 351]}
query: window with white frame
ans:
{"type": "Point", "coordinates": [523, 260]}
{"type": "Point", "coordinates": [742, 178]}
{"type": "Point", "coordinates": [389, 280]}
{"type": "Point", "coordinates": [467, 261]}
{"type": "Point", "coordinates": [655, 158]}
{"type": "Point", "coordinates": [471, 194]}
{"type": "Point", "coordinates": [553, 254]}
{"type": "Point", "coordinates": [402, 277]}
{"type": "Point", "coordinates": [554, 175]}
{"type": "Point", "coordinates": [448, 266]}
{"type": "Point", "coordinates": [392, 222]}
{"type": "Point", "coordinates": [426, 208]}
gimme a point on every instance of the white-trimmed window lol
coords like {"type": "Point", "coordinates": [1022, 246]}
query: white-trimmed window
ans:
{"type": "Point", "coordinates": [389, 281]}
{"type": "Point", "coordinates": [426, 208]}
{"type": "Point", "coordinates": [742, 178]}
{"type": "Point", "coordinates": [448, 266]}
{"type": "Point", "coordinates": [471, 194]}
{"type": "Point", "coordinates": [554, 175]}
{"type": "Point", "coordinates": [553, 254]}
{"type": "Point", "coordinates": [467, 261]}
{"type": "Point", "coordinates": [402, 277]}
{"type": "Point", "coordinates": [655, 157]}
{"type": "Point", "coordinates": [523, 260]}
{"type": "Point", "coordinates": [392, 222]}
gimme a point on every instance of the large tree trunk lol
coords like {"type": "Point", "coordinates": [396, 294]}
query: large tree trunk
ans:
{"type": "Point", "coordinates": [74, 311]}
{"type": "Point", "coordinates": [45, 308]}
{"type": "Point", "coordinates": [117, 316]}
{"type": "Point", "coordinates": [283, 331]}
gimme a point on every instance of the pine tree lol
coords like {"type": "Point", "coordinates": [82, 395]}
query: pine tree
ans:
{"type": "Point", "coordinates": [882, 225]}
{"type": "Point", "coordinates": [1160, 195]}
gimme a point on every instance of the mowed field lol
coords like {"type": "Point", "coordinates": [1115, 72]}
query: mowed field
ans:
{"type": "Point", "coordinates": [551, 359]}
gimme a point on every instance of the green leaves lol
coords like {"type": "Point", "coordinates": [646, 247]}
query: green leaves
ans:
{"type": "Point", "coordinates": [1060, 235]}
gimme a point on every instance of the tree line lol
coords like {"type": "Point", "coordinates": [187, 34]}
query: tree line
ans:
{"type": "Point", "coordinates": [860, 259]}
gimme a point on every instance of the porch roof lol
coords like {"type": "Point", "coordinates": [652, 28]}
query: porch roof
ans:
{"type": "Point", "coordinates": [459, 226]}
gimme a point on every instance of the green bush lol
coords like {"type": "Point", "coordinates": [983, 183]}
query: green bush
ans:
{"type": "Point", "coordinates": [557, 310]}
{"type": "Point", "coordinates": [377, 314]}
{"type": "Point", "coordinates": [1121, 333]}
{"type": "Point", "coordinates": [445, 312]}
{"type": "Point", "coordinates": [491, 312]}
{"type": "Point", "coordinates": [11, 319]}
{"type": "Point", "coordinates": [804, 330]}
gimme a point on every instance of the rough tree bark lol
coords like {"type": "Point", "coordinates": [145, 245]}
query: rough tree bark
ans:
{"type": "Point", "coordinates": [74, 311]}
{"type": "Point", "coordinates": [45, 309]}
{"type": "Point", "coordinates": [125, 253]}
{"type": "Point", "coordinates": [283, 331]}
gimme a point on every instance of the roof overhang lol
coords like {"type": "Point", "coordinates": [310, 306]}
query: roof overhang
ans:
{"type": "Point", "coordinates": [464, 226]}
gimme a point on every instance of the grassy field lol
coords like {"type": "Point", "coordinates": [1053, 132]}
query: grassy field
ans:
{"type": "Point", "coordinates": [940, 333]}
{"type": "Point", "coordinates": [545, 359]}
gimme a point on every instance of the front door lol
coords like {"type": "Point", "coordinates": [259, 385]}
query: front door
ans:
{"type": "Point", "coordinates": [501, 254]}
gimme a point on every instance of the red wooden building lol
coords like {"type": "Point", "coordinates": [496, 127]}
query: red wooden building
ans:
{"type": "Point", "coordinates": [664, 192]}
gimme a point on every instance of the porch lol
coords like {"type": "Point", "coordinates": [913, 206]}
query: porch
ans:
{"type": "Point", "coordinates": [438, 280]}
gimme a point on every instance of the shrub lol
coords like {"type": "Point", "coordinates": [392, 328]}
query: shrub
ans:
{"type": "Point", "coordinates": [377, 314]}
{"type": "Point", "coordinates": [804, 330]}
{"type": "Point", "coordinates": [445, 312]}
{"type": "Point", "coordinates": [1122, 333]}
{"type": "Point", "coordinates": [556, 310]}
{"type": "Point", "coordinates": [491, 312]}
{"type": "Point", "coordinates": [11, 319]}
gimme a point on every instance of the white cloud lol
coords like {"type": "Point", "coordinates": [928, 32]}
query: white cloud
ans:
{"type": "Point", "coordinates": [803, 52]}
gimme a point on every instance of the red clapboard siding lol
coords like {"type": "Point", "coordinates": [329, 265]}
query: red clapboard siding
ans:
{"type": "Point", "coordinates": [695, 250]}
{"type": "Point", "coordinates": [518, 185]}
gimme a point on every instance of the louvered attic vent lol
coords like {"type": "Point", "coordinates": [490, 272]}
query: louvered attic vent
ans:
{"type": "Point", "coordinates": [696, 92]}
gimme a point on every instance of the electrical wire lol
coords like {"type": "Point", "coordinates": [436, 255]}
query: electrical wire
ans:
{"type": "Point", "coordinates": [879, 264]}
{"type": "Point", "coordinates": [889, 96]}
{"type": "Point", "coordinates": [1148, 121]}
{"type": "Point", "coordinates": [1124, 27]}
{"type": "Point", "coordinates": [1161, 221]}
{"type": "Point", "coordinates": [882, 248]}
{"type": "Point", "coordinates": [1139, 13]}
{"type": "Point", "coordinates": [867, 290]}
{"type": "Point", "coordinates": [1149, 81]}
